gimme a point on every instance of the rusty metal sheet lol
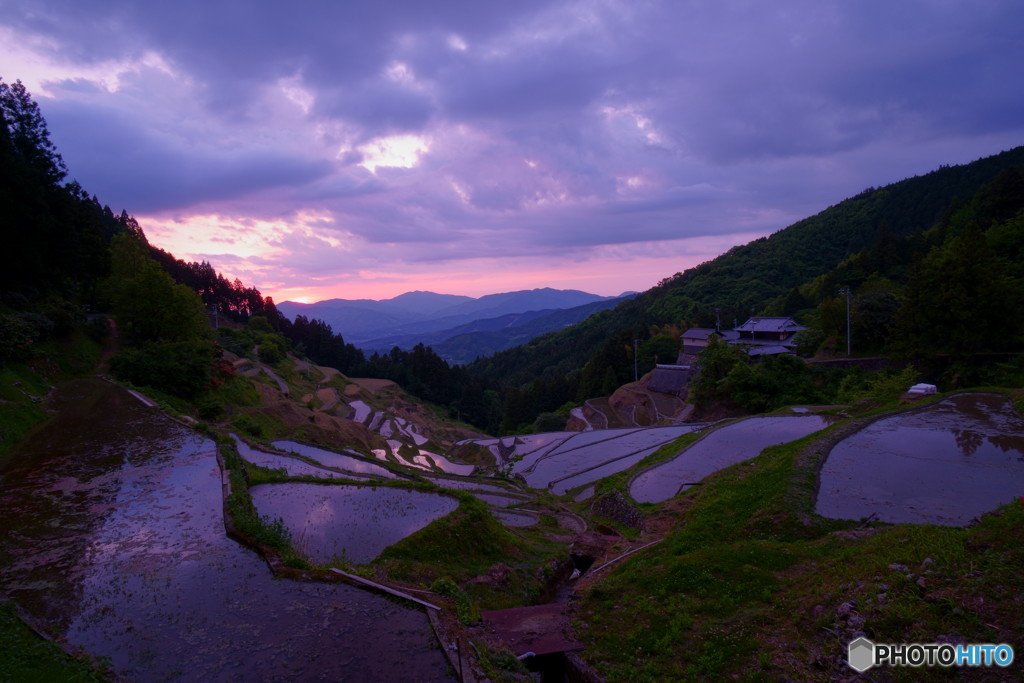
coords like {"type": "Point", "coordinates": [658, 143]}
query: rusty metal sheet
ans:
{"type": "Point", "coordinates": [540, 629]}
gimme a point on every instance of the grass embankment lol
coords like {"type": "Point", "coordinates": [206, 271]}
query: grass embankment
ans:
{"type": "Point", "coordinates": [24, 384]}
{"type": "Point", "coordinates": [24, 656]}
{"type": "Point", "coordinates": [752, 584]}
{"type": "Point", "coordinates": [472, 557]}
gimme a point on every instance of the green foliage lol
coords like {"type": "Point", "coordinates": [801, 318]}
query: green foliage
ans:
{"type": "Point", "coordinates": [259, 323]}
{"type": "Point", "coordinates": [248, 425]}
{"type": "Point", "coordinates": [549, 422]}
{"type": "Point", "coordinates": [17, 337]}
{"type": "Point", "coordinates": [775, 382]}
{"type": "Point", "coordinates": [21, 392]}
{"type": "Point", "coordinates": [180, 368]}
{"type": "Point", "coordinates": [238, 342]}
{"type": "Point", "coordinates": [956, 302]}
{"type": "Point", "coordinates": [882, 387]}
{"type": "Point", "coordinates": [501, 664]}
{"type": "Point", "coordinates": [147, 303]}
{"type": "Point", "coordinates": [459, 545]}
{"type": "Point", "coordinates": [717, 361]}
{"type": "Point", "coordinates": [271, 352]}
{"type": "Point", "coordinates": [262, 529]}
{"type": "Point", "coordinates": [467, 611]}
{"type": "Point", "coordinates": [169, 345]}
{"type": "Point", "coordinates": [24, 656]}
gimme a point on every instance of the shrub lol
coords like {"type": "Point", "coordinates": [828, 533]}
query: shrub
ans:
{"type": "Point", "coordinates": [179, 368]}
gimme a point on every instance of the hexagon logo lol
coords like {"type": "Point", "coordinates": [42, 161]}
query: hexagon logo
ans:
{"type": "Point", "coordinates": [861, 654]}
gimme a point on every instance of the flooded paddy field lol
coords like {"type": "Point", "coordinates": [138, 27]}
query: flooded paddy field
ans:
{"type": "Point", "coordinates": [516, 517]}
{"type": "Point", "coordinates": [447, 466]}
{"type": "Point", "coordinates": [335, 460]}
{"type": "Point", "coordinates": [112, 538]}
{"type": "Point", "coordinates": [945, 464]}
{"type": "Point", "coordinates": [352, 522]}
{"type": "Point", "coordinates": [292, 466]}
{"type": "Point", "coordinates": [467, 484]}
{"type": "Point", "coordinates": [564, 460]}
{"type": "Point", "coordinates": [590, 456]}
{"type": "Point", "coordinates": [725, 446]}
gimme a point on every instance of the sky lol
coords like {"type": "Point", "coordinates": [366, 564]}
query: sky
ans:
{"type": "Point", "coordinates": [322, 149]}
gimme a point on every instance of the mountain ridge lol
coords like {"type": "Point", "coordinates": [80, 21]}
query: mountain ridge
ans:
{"type": "Point", "coordinates": [421, 313]}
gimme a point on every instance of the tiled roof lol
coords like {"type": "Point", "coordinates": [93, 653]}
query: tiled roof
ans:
{"type": "Point", "coordinates": [763, 324]}
{"type": "Point", "coordinates": [706, 332]}
{"type": "Point", "coordinates": [698, 333]}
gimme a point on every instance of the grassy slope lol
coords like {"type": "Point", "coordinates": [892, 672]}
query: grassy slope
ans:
{"type": "Point", "coordinates": [751, 583]}
{"type": "Point", "coordinates": [24, 656]}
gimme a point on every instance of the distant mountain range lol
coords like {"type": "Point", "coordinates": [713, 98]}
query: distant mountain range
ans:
{"type": "Point", "coordinates": [459, 328]}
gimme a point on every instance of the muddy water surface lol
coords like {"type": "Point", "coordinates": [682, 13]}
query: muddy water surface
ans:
{"type": "Point", "coordinates": [352, 522]}
{"type": "Point", "coordinates": [112, 536]}
{"type": "Point", "coordinates": [944, 465]}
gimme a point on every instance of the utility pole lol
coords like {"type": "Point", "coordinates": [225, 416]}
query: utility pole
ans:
{"type": "Point", "coordinates": [846, 291]}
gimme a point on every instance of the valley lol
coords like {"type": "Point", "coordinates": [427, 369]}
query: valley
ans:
{"type": "Point", "coordinates": [199, 483]}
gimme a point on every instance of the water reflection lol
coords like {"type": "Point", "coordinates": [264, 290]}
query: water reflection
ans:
{"type": "Point", "coordinates": [944, 465]}
{"type": "Point", "coordinates": [723, 447]}
{"type": "Point", "coordinates": [352, 522]}
{"type": "Point", "coordinates": [112, 535]}
{"type": "Point", "coordinates": [336, 460]}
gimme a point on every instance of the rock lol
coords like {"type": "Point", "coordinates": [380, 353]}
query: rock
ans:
{"type": "Point", "coordinates": [927, 562]}
{"type": "Point", "coordinates": [844, 610]}
{"type": "Point", "coordinates": [899, 567]}
{"type": "Point", "coordinates": [920, 582]}
{"type": "Point", "coordinates": [855, 621]}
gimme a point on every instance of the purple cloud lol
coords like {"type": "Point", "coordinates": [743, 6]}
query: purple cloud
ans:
{"type": "Point", "coordinates": [450, 133]}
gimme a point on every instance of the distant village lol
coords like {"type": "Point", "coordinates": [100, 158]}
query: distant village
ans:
{"type": "Point", "coordinates": [759, 336]}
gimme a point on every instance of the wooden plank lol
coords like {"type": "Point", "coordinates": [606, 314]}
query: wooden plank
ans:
{"type": "Point", "coordinates": [634, 550]}
{"type": "Point", "coordinates": [386, 589]}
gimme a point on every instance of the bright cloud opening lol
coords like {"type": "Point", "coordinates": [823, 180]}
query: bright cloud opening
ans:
{"type": "Point", "coordinates": [398, 151]}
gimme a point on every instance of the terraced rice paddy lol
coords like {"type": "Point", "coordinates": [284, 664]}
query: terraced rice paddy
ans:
{"type": "Point", "coordinates": [292, 466]}
{"type": "Point", "coordinates": [352, 522]}
{"type": "Point", "coordinates": [562, 461]}
{"type": "Point", "coordinates": [722, 447]}
{"type": "Point", "coordinates": [946, 464]}
{"type": "Point", "coordinates": [113, 536]}
{"type": "Point", "coordinates": [335, 460]}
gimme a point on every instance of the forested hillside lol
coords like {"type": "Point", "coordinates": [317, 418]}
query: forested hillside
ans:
{"type": "Point", "coordinates": [793, 271]}
{"type": "Point", "coordinates": [73, 256]}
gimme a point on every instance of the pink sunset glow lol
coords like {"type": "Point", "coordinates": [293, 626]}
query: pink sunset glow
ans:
{"type": "Point", "coordinates": [365, 150]}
